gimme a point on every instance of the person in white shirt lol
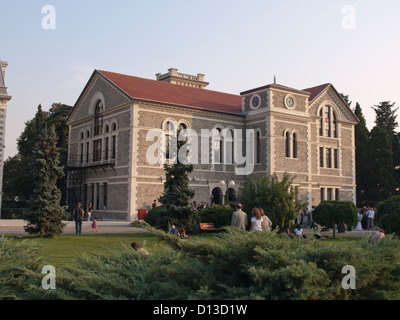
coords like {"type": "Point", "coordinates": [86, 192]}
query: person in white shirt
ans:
{"type": "Point", "coordinates": [371, 216]}
{"type": "Point", "coordinates": [257, 222]}
{"type": "Point", "coordinates": [298, 231]}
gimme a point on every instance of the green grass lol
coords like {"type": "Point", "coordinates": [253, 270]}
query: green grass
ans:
{"type": "Point", "coordinates": [61, 249]}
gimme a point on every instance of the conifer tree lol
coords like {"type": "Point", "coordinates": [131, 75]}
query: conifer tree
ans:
{"type": "Point", "coordinates": [362, 155]}
{"type": "Point", "coordinates": [45, 212]}
{"type": "Point", "coordinates": [177, 194]}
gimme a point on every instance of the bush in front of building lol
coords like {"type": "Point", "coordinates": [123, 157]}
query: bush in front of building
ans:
{"type": "Point", "coordinates": [335, 213]}
{"type": "Point", "coordinates": [388, 215]}
{"type": "Point", "coordinates": [218, 215]}
{"type": "Point", "coordinates": [240, 265]}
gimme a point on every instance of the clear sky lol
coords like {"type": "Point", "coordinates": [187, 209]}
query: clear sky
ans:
{"type": "Point", "coordinates": [238, 45]}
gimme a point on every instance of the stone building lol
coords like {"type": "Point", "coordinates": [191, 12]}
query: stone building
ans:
{"type": "Point", "coordinates": [308, 133]}
{"type": "Point", "coordinates": [4, 99]}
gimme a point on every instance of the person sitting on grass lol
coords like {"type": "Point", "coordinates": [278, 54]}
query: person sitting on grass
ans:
{"type": "Point", "coordinates": [299, 232]}
{"type": "Point", "coordinates": [182, 234]}
{"type": "Point", "coordinates": [378, 236]}
{"type": "Point", "coordinates": [174, 231]}
{"type": "Point", "coordinates": [137, 247]}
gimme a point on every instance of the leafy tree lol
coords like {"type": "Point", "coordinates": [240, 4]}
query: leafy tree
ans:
{"type": "Point", "coordinates": [17, 182]}
{"type": "Point", "coordinates": [46, 214]}
{"type": "Point", "coordinates": [362, 155]}
{"type": "Point", "coordinates": [388, 215]}
{"type": "Point", "coordinates": [274, 196]}
{"type": "Point", "coordinates": [380, 184]}
{"type": "Point", "coordinates": [334, 213]}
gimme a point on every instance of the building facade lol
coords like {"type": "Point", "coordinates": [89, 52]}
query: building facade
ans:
{"type": "Point", "coordinates": [4, 99]}
{"type": "Point", "coordinates": [115, 121]}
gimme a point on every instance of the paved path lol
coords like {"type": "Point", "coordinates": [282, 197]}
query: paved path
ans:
{"type": "Point", "coordinates": [16, 227]}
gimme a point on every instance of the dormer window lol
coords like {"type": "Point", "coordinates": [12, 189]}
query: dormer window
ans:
{"type": "Point", "coordinates": [327, 122]}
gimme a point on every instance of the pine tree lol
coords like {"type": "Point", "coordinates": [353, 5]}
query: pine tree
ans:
{"type": "Point", "coordinates": [381, 182]}
{"type": "Point", "coordinates": [45, 213]}
{"type": "Point", "coordinates": [177, 194]}
{"type": "Point", "coordinates": [362, 154]}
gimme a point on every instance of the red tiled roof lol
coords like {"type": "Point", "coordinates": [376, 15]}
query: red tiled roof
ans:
{"type": "Point", "coordinates": [315, 91]}
{"type": "Point", "coordinates": [164, 92]}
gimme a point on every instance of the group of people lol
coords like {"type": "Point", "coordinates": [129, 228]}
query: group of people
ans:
{"type": "Point", "coordinates": [259, 220]}
{"type": "Point", "coordinates": [179, 232]}
{"type": "Point", "coordinates": [366, 219]}
{"type": "Point", "coordinates": [78, 215]}
{"type": "Point", "coordinates": [304, 217]}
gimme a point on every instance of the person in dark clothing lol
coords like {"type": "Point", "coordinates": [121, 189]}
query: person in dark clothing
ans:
{"type": "Point", "coordinates": [78, 215]}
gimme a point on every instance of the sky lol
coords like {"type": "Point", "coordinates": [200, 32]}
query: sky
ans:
{"type": "Point", "coordinates": [238, 45]}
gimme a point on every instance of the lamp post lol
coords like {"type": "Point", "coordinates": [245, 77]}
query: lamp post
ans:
{"type": "Point", "coordinates": [223, 184]}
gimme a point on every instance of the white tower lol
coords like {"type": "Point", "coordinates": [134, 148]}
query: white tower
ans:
{"type": "Point", "coordinates": [4, 98]}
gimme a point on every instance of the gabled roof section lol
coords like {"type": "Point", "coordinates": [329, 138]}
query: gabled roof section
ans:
{"type": "Point", "coordinates": [320, 90]}
{"type": "Point", "coordinates": [164, 92]}
{"type": "Point", "coordinates": [316, 91]}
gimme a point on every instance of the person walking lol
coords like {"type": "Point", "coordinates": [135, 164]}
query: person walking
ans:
{"type": "Point", "coordinates": [267, 221]}
{"type": "Point", "coordinates": [94, 224]}
{"type": "Point", "coordinates": [89, 211]}
{"type": "Point", "coordinates": [77, 216]}
{"type": "Point", "coordinates": [239, 218]}
{"type": "Point", "coordinates": [257, 222]}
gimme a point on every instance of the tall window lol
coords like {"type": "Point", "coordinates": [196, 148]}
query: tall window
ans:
{"type": "Point", "coordinates": [97, 150]}
{"type": "Point", "coordinates": [217, 146]}
{"type": "Point", "coordinates": [294, 145]}
{"type": "Point", "coordinates": [98, 118]}
{"type": "Point", "coordinates": [258, 147]}
{"type": "Point", "coordinates": [106, 148]}
{"type": "Point", "coordinates": [287, 145]}
{"type": "Point", "coordinates": [328, 157]}
{"type": "Point", "coordinates": [114, 147]}
{"type": "Point", "coordinates": [321, 157]}
{"type": "Point", "coordinates": [336, 158]}
{"type": "Point", "coordinates": [87, 152]}
{"type": "Point", "coordinates": [82, 151]}
{"type": "Point", "coordinates": [228, 147]}
{"type": "Point", "coordinates": [105, 196]}
{"type": "Point", "coordinates": [169, 135]}
{"type": "Point", "coordinates": [328, 122]}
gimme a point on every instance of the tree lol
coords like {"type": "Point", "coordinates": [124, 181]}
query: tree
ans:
{"type": "Point", "coordinates": [362, 155]}
{"type": "Point", "coordinates": [274, 196]}
{"type": "Point", "coordinates": [18, 181]}
{"type": "Point", "coordinates": [334, 213]}
{"type": "Point", "coordinates": [177, 195]}
{"type": "Point", "coordinates": [380, 183]}
{"type": "Point", "coordinates": [388, 215]}
{"type": "Point", "coordinates": [45, 214]}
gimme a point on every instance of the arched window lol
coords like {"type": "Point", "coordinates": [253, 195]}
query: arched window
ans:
{"type": "Point", "coordinates": [217, 146]}
{"type": "Point", "coordinates": [258, 147]}
{"type": "Point", "coordinates": [287, 144]}
{"type": "Point", "coordinates": [294, 146]}
{"type": "Point", "coordinates": [114, 127]}
{"type": "Point", "coordinates": [228, 147]}
{"type": "Point", "coordinates": [170, 134]}
{"type": "Point", "coordinates": [98, 118]}
{"type": "Point", "coordinates": [107, 129]}
{"type": "Point", "coordinates": [328, 122]}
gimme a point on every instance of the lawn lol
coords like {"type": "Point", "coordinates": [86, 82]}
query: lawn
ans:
{"type": "Point", "coordinates": [61, 249]}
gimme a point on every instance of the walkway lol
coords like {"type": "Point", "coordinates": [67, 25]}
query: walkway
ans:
{"type": "Point", "coordinates": [16, 227]}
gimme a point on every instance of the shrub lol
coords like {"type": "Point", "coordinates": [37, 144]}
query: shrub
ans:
{"type": "Point", "coordinates": [388, 215]}
{"type": "Point", "coordinates": [153, 215]}
{"type": "Point", "coordinates": [218, 215]}
{"type": "Point", "coordinates": [240, 265]}
{"type": "Point", "coordinates": [335, 212]}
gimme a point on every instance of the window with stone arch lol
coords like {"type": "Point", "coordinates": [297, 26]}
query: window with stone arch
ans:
{"type": "Point", "coordinates": [228, 146]}
{"type": "Point", "coordinates": [217, 145]}
{"type": "Point", "coordinates": [98, 118]}
{"type": "Point", "coordinates": [170, 129]}
{"type": "Point", "coordinates": [328, 122]}
{"type": "Point", "coordinates": [291, 144]}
